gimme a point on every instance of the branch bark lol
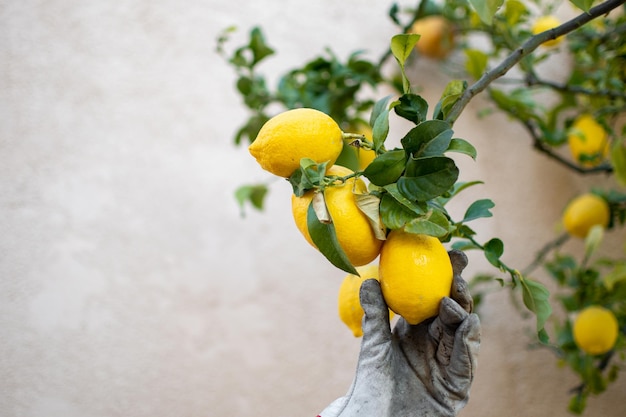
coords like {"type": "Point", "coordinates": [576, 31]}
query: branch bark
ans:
{"type": "Point", "coordinates": [524, 50]}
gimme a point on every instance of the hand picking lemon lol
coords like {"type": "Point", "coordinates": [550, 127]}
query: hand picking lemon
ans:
{"type": "Point", "coordinates": [584, 212]}
{"type": "Point", "coordinates": [415, 274]}
{"type": "Point", "coordinates": [353, 228]}
{"type": "Point", "coordinates": [295, 134]}
{"type": "Point", "coordinates": [588, 141]}
{"type": "Point", "coordinates": [349, 304]}
{"type": "Point", "coordinates": [544, 23]}
{"type": "Point", "coordinates": [436, 36]}
{"type": "Point", "coordinates": [595, 330]}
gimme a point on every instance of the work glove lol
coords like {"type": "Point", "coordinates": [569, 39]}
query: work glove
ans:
{"type": "Point", "coordinates": [423, 370]}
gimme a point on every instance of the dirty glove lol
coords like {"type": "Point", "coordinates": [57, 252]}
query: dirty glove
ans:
{"type": "Point", "coordinates": [419, 370]}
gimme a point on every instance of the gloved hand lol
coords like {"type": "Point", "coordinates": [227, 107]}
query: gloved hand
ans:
{"type": "Point", "coordinates": [419, 370]}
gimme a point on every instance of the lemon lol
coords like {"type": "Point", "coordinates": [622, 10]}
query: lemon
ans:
{"type": "Point", "coordinates": [415, 274]}
{"type": "Point", "coordinates": [584, 212]}
{"type": "Point", "coordinates": [352, 227]}
{"type": "Point", "coordinates": [544, 23]}
{"type": "Point", "coordinates": [295, 134]}
{"type": "Point", "coordinates": [348, 302]}
{"type": "Point", "coordinates": [365, 156]}
{"type": "Point", "coordinates": [588, 141]}
{"type": "Point", "coordinates": [436, 36]}
{"type": "Point", "coordinates": [595, 330]}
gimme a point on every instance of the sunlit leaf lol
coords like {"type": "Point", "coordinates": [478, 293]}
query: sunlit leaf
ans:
{"type": "Point", "coordinates": [476, 63]}
{"type": "Point", "coordinates": [583, 5]}
{"type": "Point", "coordinates": [486, 9]}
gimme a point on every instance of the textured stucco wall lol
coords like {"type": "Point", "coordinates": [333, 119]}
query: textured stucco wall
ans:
{"type": "Point", "coordinates": [129, 283]}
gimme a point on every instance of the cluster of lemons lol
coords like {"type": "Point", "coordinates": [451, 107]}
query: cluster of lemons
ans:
{"type": "Point", "coordinates": [414, 270]}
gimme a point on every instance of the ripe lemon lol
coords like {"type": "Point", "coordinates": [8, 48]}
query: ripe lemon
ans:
{"type": "Point", "coordinates": [584, 212]}
{"type": "Point", "coordinates": [588, 141]}
{"type": "Point", "coordinates": [436, 36]}
{"type": "Point", "coordinates": [415, 274]}
{"type": "Point", "coordinates": [595, 330]}
{"type": "Point", "coordinates": [295, 134]}
{"type": "Point", "coordinates": [544, 23]}
{"type": "Point", "coordinates": [349, 304]}
{"type": "Point", "coordinates": [352, 227]}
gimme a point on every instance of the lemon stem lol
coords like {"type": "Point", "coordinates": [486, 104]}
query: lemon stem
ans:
{"type": "Point", "coordinates": [357, 140]}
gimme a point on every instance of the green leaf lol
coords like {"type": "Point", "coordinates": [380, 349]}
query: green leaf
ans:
{"type": "Point", "coordinates": [435, 224]}
{"type": "Point", "coordinates": [259, 48]}
{"type": "Point", "coordinates": [583, 5]}
{"type": "Point", "coordinates": [415, 208]}
{"type": "Point", "coordinates": [430, 138]}
{"type": "Point", "coordinates": [379, 107]}
{"type": "Point", "coordinates": [618, 160]}
{"type": "Point", "coordinates": [464, 245]}
{"type": "Point", "coordinates": [380, 129]}
{"type": "Point", "coordinates": [325, 239]}
{"type": "Point", "coordinates": [536, 298]}
{"type": "Point", "coordinates": [427, 178]}
{"type": "Point", "coordinates": [478, 209]}
{"type": "Point", "coordinates": [476, 63]}
{"type": "Point", "coordinates": [412, 108]}
{"type": "Point", "coordinates": [494, 249]}
{"type": "Point", "coordinates": [593, 239]}
{"type": "Point", "coordinates": [255, 194]}
{"type": "Point", "coordinates": [386, 168]}
{"type": "Point", "coordinates": [451, 94]}
{"type": "Point", "coordinates": [308, 176]}
{"type": "Point", "coordinates": [486, 9]}
{"type": "Point", "coordinates": [393, 214]}
{"type": "Point", "coordinates": [616, 275]}
{"type": "Point", "coordinates": [462, 146]}
{"type": "Point", "coordinates": [401, 47]}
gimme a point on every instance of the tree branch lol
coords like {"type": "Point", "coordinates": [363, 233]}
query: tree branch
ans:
{"type": "Point", "coordinates": [524, 50]}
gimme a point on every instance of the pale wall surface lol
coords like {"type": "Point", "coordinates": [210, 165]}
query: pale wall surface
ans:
{"type": "Point", "coordinates": [129, 283]}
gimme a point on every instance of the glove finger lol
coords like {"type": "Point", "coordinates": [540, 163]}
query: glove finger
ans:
{"type": "Point", "coordinates": [460, 290]}
{"type": "Point", "coordinates": [376, 327]}
{"type": "Point", "coordinates": [464, 353]}
{"type": "Point", "coordinates": [459, 261]}
{"type": "Point", "coordinates": [443, 328]}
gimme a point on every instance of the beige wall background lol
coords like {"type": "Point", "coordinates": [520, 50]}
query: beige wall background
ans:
{"type": "Point", "coordinates": [129, 283]}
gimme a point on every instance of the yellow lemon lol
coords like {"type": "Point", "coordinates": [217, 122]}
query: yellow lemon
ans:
{"type": "Point", "coordinates": [349, 304]}
{"type": "Point", "coordinates": [588, 141]}
{"type": "Point", "coordinates": [415, 274]}
{"type": "Point", "coordinates": [436, 36]}
{"type": "Point", "coordinates": [365, 156]}
{"type": "Point", "coordinates": [352, 227]}
{"type": "Point", "coordinates": [544, 23]}
{"type": "Point", "coordinates": [584, 212]}
{"type": "Point", "coordinates": [595, 330]}
{"type": "Point", "coordinates": [295, 134]}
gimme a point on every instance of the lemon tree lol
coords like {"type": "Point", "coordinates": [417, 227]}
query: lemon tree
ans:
{"type": "Point", "coordinates": [405, 190]}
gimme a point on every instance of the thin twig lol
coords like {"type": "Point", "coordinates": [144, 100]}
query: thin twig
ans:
{"type": "Point", "coordinates": [524, 50]}
{"type": "Point", "coordinates": [540, 146]}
